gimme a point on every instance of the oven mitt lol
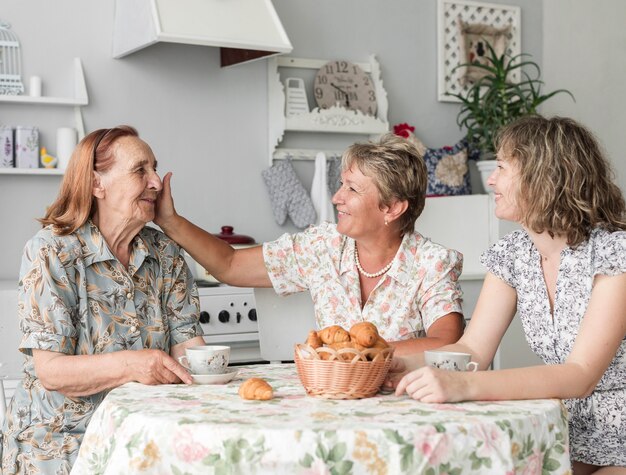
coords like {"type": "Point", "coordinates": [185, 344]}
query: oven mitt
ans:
{"type": "Point", "coordinates": [333, 180]}
{"type": "Point", "coordinates": [288, 195]}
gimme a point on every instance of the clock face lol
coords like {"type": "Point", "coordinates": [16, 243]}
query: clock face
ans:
{"type": "Point", "coordinates": [344, 84]}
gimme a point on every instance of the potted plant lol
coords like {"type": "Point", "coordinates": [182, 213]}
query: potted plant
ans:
{"type": "Point", "coordinates": [495, 100]}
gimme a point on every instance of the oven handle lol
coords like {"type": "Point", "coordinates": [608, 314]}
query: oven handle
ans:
{"type": "Point", "coordinates": [232, 337]}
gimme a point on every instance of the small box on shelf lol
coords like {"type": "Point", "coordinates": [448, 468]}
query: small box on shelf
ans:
{"type": "Point", "coordinates": [6, 147]}
{"type": "Point", "coordinates": [26, 147]}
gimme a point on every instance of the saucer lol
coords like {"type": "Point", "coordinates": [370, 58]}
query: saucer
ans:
{"type": "Point", "coordinates": [222, 378]}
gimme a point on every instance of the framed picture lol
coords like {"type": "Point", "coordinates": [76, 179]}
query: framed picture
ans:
{"type": "Point", "coordinates": [464, 28]}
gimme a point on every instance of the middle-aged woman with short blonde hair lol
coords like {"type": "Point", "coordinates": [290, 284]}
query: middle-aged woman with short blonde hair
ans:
{"type": "Point", "coordinates": [103, 300]}
{"type": "Point", "coordinates": [565, 274]}
{"type": "Point", "coordinates": [371, 266]}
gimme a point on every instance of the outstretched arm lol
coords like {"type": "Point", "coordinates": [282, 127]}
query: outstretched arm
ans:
{"type": "Point", "coordinates": [240, 267]}
{"type": "Point", "coordinates": [600, 334]}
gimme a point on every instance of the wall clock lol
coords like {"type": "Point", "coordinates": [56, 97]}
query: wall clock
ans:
{"type": "Point", "coordinates": [344, 84]}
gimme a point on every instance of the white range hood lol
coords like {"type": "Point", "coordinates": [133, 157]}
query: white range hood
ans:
{"type": "Point", "coordinates": [243, 29]}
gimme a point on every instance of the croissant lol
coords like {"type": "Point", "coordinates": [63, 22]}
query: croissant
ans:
{"type": "Point", "coordinates": [313, 340]}
{"type": "Point", "coordinates": [364, 333]}
{"type": "Point", "coordinates": [380, 343]}
{"type": "Point", "coordinates": [255, 388]}
{"type": "Point", "coordinates": [333, 334]}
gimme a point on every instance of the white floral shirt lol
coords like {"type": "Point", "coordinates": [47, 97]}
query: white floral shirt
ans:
{"type": "Point", "coordinates": [420, 287]}
{"type": "Point", "coordinates": [597, 423]}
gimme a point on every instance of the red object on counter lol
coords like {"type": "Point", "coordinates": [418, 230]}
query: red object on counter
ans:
{"type": "Point", "coordinates": [230, 237]}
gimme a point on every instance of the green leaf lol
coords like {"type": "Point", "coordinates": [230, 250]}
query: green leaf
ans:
{"type": "Point", "coordinates": [307, 461]}
{"type": "Point", "coordinates": [175, 470]}
{"type": "Point", "coordinates": [550, 464]}
{"type": "Point", "coordinates": [321, 452]}
{"type": "Point", "coordinates": [211, 459]}
{"type": "Point", "coordinates": [406, 457]}
{"type": "Point", "coordinates": [343, 468]}
{"type": "Point", "coordinates": [337, 452]}
{"type": "Point", "coordinates": [394, 436]}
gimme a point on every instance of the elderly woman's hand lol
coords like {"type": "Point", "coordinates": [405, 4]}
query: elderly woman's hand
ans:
{"type": "Point", "coordinates": [155, 367]}
{"type": "Point", "coordinates": [434, 385]}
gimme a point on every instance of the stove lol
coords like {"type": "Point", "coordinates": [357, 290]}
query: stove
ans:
{"type": "Point", "coordinates": [228, 317]}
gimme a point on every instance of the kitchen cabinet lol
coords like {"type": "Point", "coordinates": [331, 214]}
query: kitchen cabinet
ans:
{"type": "Point", "coordinates": [78, 100]}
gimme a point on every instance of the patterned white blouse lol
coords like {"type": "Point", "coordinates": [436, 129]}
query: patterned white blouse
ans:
{"type": "Point", "coordinates": [597, 423]}
{"type": "Point", "coordinates": [419, 288]}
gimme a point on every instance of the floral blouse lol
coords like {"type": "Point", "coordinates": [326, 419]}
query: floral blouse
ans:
{"type": "Point", "coordinates": [597, 423]}
{"type": "Point", "coordinates": [76, 298]}
{"type": "Point", "coordinates": [420, 287]}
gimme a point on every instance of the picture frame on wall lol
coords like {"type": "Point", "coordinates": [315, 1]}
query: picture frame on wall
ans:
{"type": "Point", "coordinates": [463, 29]}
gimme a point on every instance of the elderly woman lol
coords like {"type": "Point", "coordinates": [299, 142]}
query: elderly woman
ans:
{"type": "Point", "coordinates": [565, 274]}
{"type": "Point", "coordinates": [372, 266]}
{"type": "Point", "coordinates": [103, 300]}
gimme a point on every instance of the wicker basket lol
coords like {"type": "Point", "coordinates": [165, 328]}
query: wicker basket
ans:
{"type": "Point", "coordinates": [346, 374]}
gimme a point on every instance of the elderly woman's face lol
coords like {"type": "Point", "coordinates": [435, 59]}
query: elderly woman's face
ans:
{"type": "Point", "coordinates": [357, 203]}
{"type": "Point", "coordinates": [132, 184]}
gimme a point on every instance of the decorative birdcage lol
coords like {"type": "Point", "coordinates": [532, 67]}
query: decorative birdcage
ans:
{"type": "Point", "coordinates": [10, 62]}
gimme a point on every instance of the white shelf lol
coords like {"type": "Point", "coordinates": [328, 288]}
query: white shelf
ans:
{"type": "Point", "coordinates": [80, 99]}
{"type": "Point", "coordinates": [58, 101]}
{"type": "Point", "coordinates": [31, 171]}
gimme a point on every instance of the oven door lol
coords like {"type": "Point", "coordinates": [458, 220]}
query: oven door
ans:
{"type": "Point", "coordinates": [244, 347]}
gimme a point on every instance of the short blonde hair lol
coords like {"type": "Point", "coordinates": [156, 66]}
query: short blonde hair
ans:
{"type": "Point", "coordinates": [566, 184]}
{"type": "Point", "coordinates": [398, 171]}
{"type": "Point", "coordinates": [75, 204]}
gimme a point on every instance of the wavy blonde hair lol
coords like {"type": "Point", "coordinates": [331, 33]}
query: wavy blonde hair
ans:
{"type": "Point", "coordinates": [75, 204]}
{"type": "Point", "coordinates": [398, 171]}
{"type": "Point", "coordinates": [566, 184]}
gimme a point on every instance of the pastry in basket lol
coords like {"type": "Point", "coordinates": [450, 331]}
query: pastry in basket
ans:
{"type": "Point", "coordinates": [343, 369]}
{"type": "Point", "coordinates": [314, 340]}
{"type": "Point", "coordinates": [362, 336]}
{"type": "Point", "coordinates": [364, 333]}
{"type": "Point", "coordinates": [256, 389]}
{"type": "Point", "coordinates": [333, 334]}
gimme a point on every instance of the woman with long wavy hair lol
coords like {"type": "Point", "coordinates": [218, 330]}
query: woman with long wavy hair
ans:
{"type": "Point", "coordinates": [564, 274]}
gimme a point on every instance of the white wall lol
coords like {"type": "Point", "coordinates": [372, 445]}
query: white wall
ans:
{"type": "Point", "coordinates": [584, 50]}
{"type": "Point", "coordinates": [209, 125]}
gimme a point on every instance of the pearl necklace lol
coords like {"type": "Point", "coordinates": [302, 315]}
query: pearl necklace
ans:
{"type": "Point", "coordinates": [368, 274]}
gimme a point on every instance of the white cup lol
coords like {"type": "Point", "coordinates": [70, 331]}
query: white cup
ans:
{"type": "Point", "coordinates": [450, 360]}
{"type": "Point", "coordinates": [66, 142]}
{"type": "Point", "coordinates": [206, 359]}
{"type": "Point", "coordinates": [35, 86]}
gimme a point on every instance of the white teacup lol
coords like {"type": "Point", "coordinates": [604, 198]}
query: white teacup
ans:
{"type": "Point", "coordinates": [450, 360]}
{"type": "Point", "coordinates": [206, 359]}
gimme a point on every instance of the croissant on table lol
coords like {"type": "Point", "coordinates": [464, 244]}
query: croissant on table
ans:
{"type": "Point", "coordinates": [256, 389]}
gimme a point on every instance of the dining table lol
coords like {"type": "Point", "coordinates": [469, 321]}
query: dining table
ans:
{"type": "Point", "coordinates": [208, 428]}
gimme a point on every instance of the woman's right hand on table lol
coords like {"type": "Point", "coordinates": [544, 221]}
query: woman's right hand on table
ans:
{"type": "Point", "coordinates": [155, 367]}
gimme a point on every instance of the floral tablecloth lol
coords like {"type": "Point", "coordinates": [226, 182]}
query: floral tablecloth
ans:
{"type": "Point", "coordinates": [198, 429]}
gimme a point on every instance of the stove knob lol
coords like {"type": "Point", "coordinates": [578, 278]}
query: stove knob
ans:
{"type": "Point", "coordinates": [205, 317]}
{"type": "Point", "coordinates": [252, 314]}
{"type": "Point", "coordinates": [224, 316]}
{"type": "Point", "coordinates": [238, 317]}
